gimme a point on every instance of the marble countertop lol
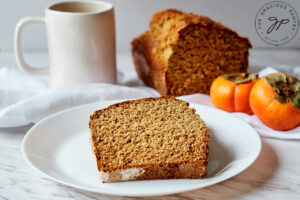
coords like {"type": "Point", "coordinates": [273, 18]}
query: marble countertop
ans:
{"type": "Point", "coordinates": [274, 175]}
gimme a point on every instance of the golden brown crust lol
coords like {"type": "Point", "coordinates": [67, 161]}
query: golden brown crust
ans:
{"type": "Point", "coordinates": [184, 169]}
{"type": "Point", "coordinates": [166, 171]}
{"type": "Point", "coordinates": [175, 171]}
{"type": "Point", "coordinates": [151, 51]}
{"type": "Point", "coordinates": [192, 19]}
{"type": "Point", "coordinates": [151, 72]}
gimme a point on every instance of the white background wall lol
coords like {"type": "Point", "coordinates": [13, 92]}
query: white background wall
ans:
{"type": "Point", "coordinates": [132, 18]}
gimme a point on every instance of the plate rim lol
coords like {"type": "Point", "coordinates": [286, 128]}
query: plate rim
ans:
{"type": "Point", "coordinates": [94, 190]}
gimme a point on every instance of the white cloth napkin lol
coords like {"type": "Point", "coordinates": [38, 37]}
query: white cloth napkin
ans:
{"type": "Point", "coordinates": [26, 99]}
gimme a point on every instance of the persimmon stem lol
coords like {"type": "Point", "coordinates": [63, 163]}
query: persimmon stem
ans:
{"type": "Point", "coordinates": [239, 78]}
{"type": "Point", "coordinates": [287, 88]}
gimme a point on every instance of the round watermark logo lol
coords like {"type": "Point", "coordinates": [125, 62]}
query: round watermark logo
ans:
{"type": "Point", "coordinates": [276, 23]}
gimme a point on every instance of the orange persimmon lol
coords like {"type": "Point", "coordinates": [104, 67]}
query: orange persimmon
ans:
{"type": "Point", "coordinates": [275, 100]}
{"type": "Point", "coordinates": [230, 92]}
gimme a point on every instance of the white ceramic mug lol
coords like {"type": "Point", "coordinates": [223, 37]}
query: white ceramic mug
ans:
{"type": "Point", "coordinates": [81, 42]}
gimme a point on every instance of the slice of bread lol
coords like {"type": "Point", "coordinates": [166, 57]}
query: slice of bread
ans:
{"type": "Point", "coordinates": [152, 138]}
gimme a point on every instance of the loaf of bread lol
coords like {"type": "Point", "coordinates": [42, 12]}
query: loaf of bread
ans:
{"type": "Point", "coordinates": [182, 53]}
{"type": "Point", "coordinates": [152, 138]}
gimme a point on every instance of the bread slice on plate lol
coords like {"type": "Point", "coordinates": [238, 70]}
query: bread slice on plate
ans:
{"type": "Point", "coordinates": [152, 138]}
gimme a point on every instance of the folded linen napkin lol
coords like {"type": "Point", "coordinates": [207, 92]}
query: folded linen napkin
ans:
{"type": "Point", "coordinates": [26, 99]}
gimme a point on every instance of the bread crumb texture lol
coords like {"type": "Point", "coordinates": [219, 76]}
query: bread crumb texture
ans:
{"type": "Point", "coordinates": [145, 133]}
{"type": "Point", "coordinates": [184, 52]}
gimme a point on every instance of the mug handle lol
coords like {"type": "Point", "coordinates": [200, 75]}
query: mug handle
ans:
{"type": "Point", "coordinates": [18, 46]}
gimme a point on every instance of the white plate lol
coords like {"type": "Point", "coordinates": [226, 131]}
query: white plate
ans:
{"type": "Point", "coordinates": [59, 148]}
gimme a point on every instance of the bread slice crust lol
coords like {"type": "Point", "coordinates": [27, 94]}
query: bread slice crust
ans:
{"type": "Point", "coordinates": [176, 170]}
